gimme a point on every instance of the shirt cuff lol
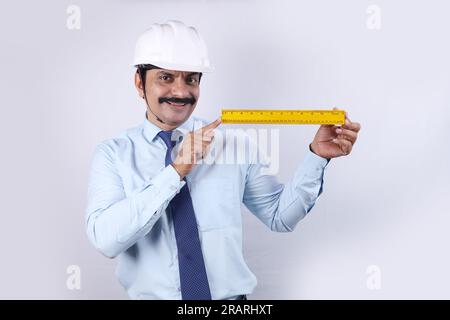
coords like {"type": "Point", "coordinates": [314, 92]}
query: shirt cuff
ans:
{"type": "Point", "coordinates": [163, 187]}
{"type": "Point", "coordinates": [313, 164]}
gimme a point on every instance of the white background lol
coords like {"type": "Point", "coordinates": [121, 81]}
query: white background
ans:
{"type": "Point", "coordinates": [63, 91]}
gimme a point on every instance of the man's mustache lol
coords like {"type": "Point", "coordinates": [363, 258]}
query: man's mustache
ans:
{"type": "Point", "coordinates": [190, 100]}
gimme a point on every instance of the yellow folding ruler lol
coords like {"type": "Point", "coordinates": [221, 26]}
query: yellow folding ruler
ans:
{"type": "Point", "coordinates": [252, 116]}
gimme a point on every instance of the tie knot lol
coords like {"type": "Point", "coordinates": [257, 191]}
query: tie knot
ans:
{"type": "Point", "coordinates": [167, 138]}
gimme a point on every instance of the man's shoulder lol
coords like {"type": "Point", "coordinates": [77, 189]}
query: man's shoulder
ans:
{"type": "Point", "coordinates": [122, 139]}
{"type": "Point", "coordinates": [194, 123]}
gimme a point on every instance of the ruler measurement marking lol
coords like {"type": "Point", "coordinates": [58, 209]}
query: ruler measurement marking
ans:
{"type": "Point", "coordinates": [268, 116]}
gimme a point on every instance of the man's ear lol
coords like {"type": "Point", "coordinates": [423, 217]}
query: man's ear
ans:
{"type": "Point", "coordinates": [139, 85]}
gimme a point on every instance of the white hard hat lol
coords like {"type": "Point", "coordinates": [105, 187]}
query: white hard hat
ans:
{"type": "Point", "coordinates": [173, 46]}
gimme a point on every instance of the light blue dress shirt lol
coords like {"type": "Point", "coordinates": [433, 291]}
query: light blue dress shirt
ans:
{"type": "Point", "coordinates": [130, 188]}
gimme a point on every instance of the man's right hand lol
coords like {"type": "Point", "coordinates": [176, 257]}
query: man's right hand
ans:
{"type": "Point", "coordinates": [194, 147]}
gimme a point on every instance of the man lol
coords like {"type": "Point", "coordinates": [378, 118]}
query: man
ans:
{"type": "Point", "coordinates": [173, 220]}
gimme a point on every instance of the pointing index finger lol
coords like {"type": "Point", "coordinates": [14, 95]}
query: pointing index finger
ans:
{"type": "Point", "coordinates": [213, 124]}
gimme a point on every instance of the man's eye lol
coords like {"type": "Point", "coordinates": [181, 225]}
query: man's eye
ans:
{"type": "Point", "coordinates": [165, 77]}
{"type": "Point", "coordinates": [192, 80]}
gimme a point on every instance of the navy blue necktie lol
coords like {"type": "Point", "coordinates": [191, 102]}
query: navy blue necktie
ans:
{"type": "Point", "coordinates": [193, 278]}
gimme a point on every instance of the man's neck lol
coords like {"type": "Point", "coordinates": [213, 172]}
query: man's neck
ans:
{"type": "Point", "coordinates": [163, 126]}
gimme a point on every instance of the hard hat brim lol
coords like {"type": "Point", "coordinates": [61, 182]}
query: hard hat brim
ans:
{"type": "Point", "coordinates": [177, 67]}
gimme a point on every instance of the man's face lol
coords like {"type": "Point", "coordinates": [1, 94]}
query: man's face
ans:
{"type": "Point", "coordinates": [172, 95]}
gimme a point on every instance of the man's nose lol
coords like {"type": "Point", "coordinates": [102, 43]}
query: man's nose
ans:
{"type": "Point", "coordinates": [179, 88]}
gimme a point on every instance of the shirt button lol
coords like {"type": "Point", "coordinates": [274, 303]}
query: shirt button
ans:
{"type": "Point", "coordinates": [179, 289]}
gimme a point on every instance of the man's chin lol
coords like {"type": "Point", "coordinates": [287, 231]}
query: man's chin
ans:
{"type": "Point", "coordinates": [176, 119]}
{"type": "Point", "coordinates": [178, 115]}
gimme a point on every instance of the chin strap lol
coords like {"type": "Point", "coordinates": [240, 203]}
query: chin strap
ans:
{"type": "Point", "coordinates": [141, 71]}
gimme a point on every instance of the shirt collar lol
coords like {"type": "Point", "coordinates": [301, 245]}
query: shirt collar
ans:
{"type": "Point", "coordinates": [151, 130]}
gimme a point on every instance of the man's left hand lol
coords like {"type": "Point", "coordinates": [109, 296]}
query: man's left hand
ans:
{"type": "Point", "coordinates": [335, 141]}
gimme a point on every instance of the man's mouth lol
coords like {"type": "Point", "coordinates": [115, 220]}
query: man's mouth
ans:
{"type": "Point", "coordinates": [177, 104]}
